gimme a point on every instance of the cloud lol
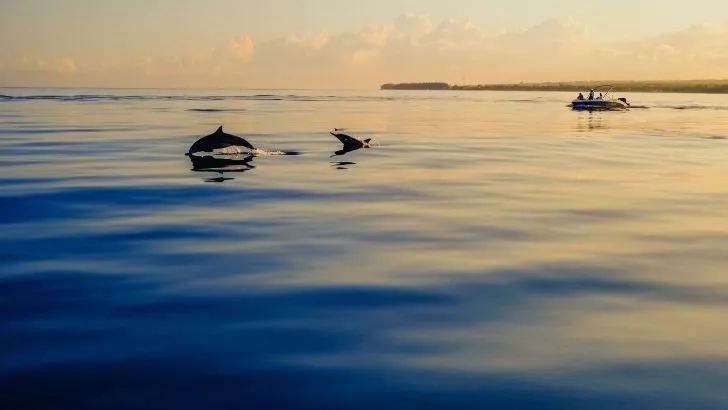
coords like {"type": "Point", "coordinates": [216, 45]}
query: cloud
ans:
{"type": "Point", "coordinates": [239, 49]}
{"type": "Point", "coordinates": [412, 48]}
{"type": "Point", "coordinates": [66, 66]}
{"type": "Point", "coordinates": [455, 34]}
{"type": "Point", "coordinates": [411, 27]}
{"type": "Point", "coordinates": [409, 47]}
{"type": "Point", "coordinates": [376, 35]}
{"type": "Point", "coordinates": [310, 41]}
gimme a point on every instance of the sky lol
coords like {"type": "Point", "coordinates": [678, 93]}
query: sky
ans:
{"type": "Point", "coordinates": [356, 43]}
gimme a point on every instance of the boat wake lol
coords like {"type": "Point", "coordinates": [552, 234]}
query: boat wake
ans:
{"type": "Point", "coordinates": [259, 152]}
{"type": "Point", "coordinates": [697, 107]}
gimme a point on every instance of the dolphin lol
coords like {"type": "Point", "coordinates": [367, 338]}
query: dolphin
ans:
{"type": "Point", "coordinates": [350, 143]}
{"type": "Point", "coordinates": [216, 140]}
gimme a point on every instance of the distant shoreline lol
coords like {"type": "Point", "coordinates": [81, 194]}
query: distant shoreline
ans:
{"type": "Point", "coordinates": [676, 86]}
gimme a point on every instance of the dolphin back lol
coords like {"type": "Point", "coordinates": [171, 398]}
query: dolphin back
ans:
{"type": "Point", "coordinates": [347, 139]}
{"type": "Point", "coordinates": [218, 139]}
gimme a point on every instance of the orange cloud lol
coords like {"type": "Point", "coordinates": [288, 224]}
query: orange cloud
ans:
{"type": "Point", "coordinates": [409, 48]}
{"type": "Point", "coordinates": [240, 48]}
{"type": "Point", "coordinates": [313, 41]}
{"type": "Point", "coordinates": [66, 66]}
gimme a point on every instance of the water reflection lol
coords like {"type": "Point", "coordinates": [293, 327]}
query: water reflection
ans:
{"type": "Point", "coordinates": [345, 150]}
{"type": "Point", "coordinates": [342, 164]}
{"type": "Point", "coordinates": [590, 122]}
{"type": "Point", "coordinates": [209, 163]}
{"type": "Point", "coordinates": [218, 179]}
{"type": "Point", "coordinates": [499, 269]}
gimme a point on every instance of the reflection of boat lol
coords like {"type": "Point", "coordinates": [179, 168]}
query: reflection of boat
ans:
{"type": "Point", "coordinates": [590, 122]}
{"type": "Point", "coordinates": [600, 103]}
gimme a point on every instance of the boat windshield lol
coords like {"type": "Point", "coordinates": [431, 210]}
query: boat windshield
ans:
{"type": "Point", "coordinates": [606, 91]}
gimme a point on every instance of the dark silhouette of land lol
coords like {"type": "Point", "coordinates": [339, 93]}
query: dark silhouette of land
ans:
{"type": "Point", "coordinates": [417, 86]}
{"type": "Point", "coordinates": [718, 86]}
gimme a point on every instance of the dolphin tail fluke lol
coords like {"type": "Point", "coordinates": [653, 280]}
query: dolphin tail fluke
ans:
{"type": "Point", "coordinates": [367, 140]}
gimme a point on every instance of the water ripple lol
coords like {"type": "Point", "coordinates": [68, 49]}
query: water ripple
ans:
{"type": "Point", "coordinates": [492, 250]}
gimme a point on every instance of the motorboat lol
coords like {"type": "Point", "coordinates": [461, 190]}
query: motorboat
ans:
{"type": "Point", "coordinates": [602, 102]}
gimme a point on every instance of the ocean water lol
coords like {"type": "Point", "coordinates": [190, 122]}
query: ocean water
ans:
{"type": "Point", "coordinates": [492, 250]}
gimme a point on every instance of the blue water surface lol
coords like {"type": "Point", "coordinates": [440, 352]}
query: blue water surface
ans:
{"type": "Point", "coordinates": [493, 250]}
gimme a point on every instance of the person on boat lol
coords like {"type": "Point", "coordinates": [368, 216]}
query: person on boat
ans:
{"type": "Point", "coordinates": [580, 96]}
{"type": "Point", "coordinates": [591, 94]}
{"type": "Point", "coordinates": [600, 96]}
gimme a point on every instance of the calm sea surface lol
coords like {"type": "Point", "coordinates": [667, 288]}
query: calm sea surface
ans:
{"type": "Point", "coordinates": [493, 250]}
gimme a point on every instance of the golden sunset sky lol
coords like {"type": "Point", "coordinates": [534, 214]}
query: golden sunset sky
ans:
{"type": "Point", "coordinates": [349, 44]}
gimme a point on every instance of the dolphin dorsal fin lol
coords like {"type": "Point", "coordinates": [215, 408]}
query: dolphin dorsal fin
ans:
{"type": "Point", "coordinates": [219, 130]}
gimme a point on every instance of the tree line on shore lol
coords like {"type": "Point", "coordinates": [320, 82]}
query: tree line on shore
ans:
{"type": "Point", "coordinates": [677, 86]}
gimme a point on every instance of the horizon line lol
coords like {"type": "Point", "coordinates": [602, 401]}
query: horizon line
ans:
{"type": "Point", "coordinates": [375, 88]}
{"type": "Point", "coordinates": [87, 87]}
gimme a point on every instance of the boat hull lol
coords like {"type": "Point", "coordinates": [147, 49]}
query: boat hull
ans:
{"type": "Point", "coordinates": [598, 105]}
